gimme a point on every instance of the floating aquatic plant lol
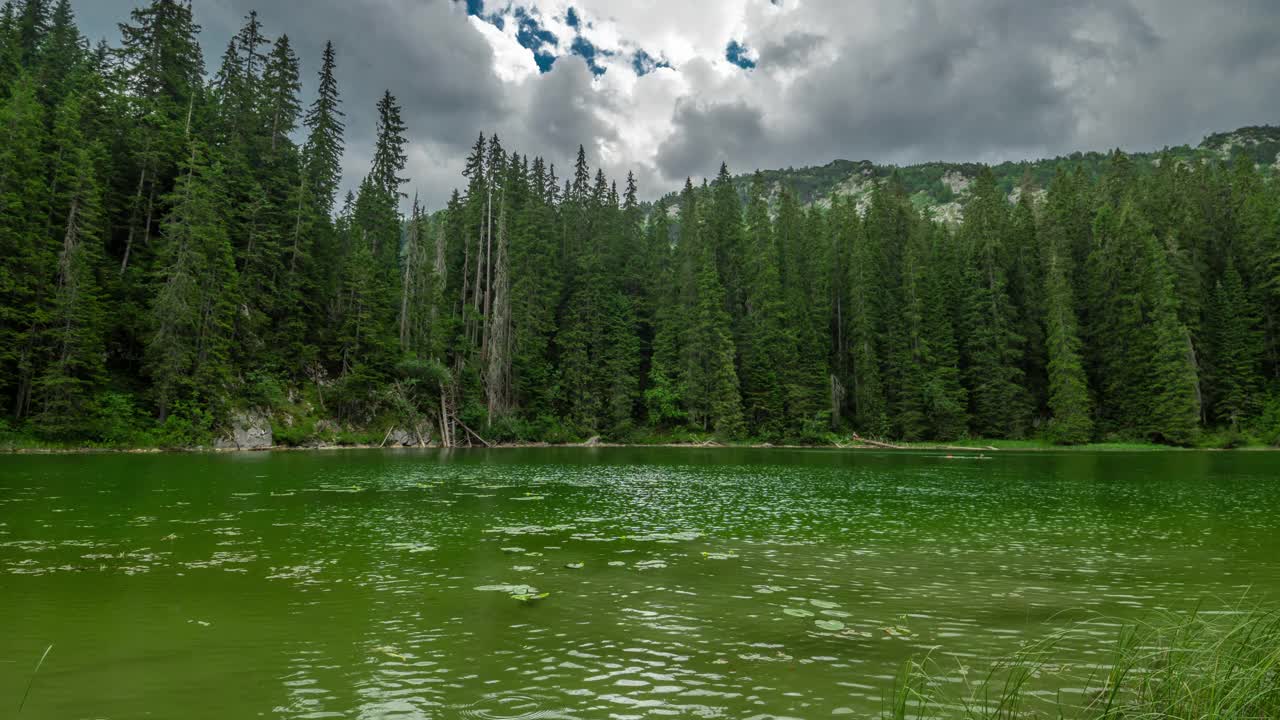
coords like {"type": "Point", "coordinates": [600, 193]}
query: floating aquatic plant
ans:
{"type": "Point", "coordinates": [510, 589]}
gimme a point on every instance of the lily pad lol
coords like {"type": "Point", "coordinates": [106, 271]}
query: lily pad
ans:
{"type": "Point", "coordinates": [513, 550]}
{"type": "Point", "coordinates": [824, 604]}
{"type": "Point", "coordinates": [830, 625]}
{"type": "Point", "coordinates": [527, 598]}
{"type": "Point", "coordinates": [574, 566]}
{"type": "Point", "coordinates": [718, 556]}
{"type": "Point", "coordinates": [797, 612]}
{"type": "Point", "coordinates": [392, 652]}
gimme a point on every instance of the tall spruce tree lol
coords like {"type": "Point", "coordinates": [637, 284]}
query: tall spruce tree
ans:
{"type": "Point", "coordinates": [27, 255]}
{"type": "Point", "coordinates": [993, 344]}
{"type": "Point", "coordinates": [767, 345]}
{"type": "Point", "coordinates": [194, 307]}
{"type": "Point", "coordinates": [1236, 345]}
{"type": "Point", "coordinates": [1070, 405]}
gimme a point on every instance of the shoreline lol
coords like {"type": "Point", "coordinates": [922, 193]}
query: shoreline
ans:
{"type": "Point", "coordinates": [983, 448]}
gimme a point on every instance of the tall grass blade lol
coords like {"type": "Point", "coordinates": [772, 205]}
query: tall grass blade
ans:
{"type": "Point", "coordinates": [32, 681]}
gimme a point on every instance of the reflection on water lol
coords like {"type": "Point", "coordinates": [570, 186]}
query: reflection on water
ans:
{"type": "Point", "coordinates": [678, 583]}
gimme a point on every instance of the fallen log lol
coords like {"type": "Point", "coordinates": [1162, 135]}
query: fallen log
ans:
{"type": "Point", "coordinates": [889, 446]}
{"type": "Point", "coordinates": [877, 443]}
{"type": "Point", "coordinates": [474, 434]}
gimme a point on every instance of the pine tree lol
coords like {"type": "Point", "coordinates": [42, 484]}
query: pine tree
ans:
{"type": "Point", "coordinates": [66, 387]}
{"type": "Point", "coordinates": [1172, 398]}
{"type": "Point", "coordinates": [194, 308]}
{"type": "Point", "coordinates": [1026, 287]}
{"type": "Point", "coordinates": [724, 234]}
{"type": "Point", "coordinates": [1069, 403]}
{"type": "Point", "coordinates": [710, 382]}
{"type": "Point", "coordinates": [63, 52]}
{"type": "Point", "coordinates": [767, 344]}
{"type": "Point", "coordinates": [1235, 351]}
{"type": "Point", "coordinates": [801, 249]}
{"type": "Point", "coordinates": [620, 338]}
{"type": "Point", "coordinates": [535, 295]}
{"type": "Point", "coordinates": [498, 341]}
{"type": "Point", "coordinates": [944, 400]}
{"type": "Point", "coordinates": [10, 47]}
{"type": "Point", "coordinates": [281, 85]}
{"type": "Point", "coordinates": [164, 70]}
{"type": "Point", "coordinates": [27, 257]}
{"type": "Point", "coordinates": [993, 345]}
{"type": "Point", "coordinates": [389, 159]}
{"type": "Point", "coordinates": [324, 146]}
{"type": "Point", "coordinates": [663, 395]}
{"type": "Point", "coordinates": [863, 310]}
{"type": "Point", "coordinates": [32, 27]}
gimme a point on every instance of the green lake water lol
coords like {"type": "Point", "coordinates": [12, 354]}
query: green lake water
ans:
{"type": "Point", "coordinates": [358, 584]}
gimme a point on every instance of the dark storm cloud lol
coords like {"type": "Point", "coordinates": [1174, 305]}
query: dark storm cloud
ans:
{"type": "Point", "coordinates": [969, 80]}
{"type": "Point", "coordinates": [708, 134]}
{"type": "Point", "coordinates": [791, 51]}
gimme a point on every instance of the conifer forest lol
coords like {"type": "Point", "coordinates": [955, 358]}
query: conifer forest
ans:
{"type": "Point", "coordinates": [175, 251]}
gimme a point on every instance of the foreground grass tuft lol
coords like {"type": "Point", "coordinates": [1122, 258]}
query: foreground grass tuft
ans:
{"type": "Point", "coordinates": [1196, 667]}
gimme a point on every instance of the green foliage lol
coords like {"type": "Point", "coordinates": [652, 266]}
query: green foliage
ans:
{"type": "Point", "coordinates": [118, 421]}
{"type": "Point", "coordinates": [1267, 426]}
{"type": "Point", "coordinates": [161, 231]}
{"type": "Point", "coordinates": [262, 389]}
{"type": "Point", "coordinates": [188, 424]}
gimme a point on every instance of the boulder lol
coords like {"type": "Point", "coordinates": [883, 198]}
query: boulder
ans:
{"type": "Point", "coordinates": [250, 430]}
{"type": "Point", "coordinates": [406, 437]}
{"type": "Point", "coordinates": [401, 438]}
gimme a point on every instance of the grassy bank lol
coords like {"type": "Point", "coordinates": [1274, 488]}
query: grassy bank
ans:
{"type": "Point", "coordinates": [1194, 667]}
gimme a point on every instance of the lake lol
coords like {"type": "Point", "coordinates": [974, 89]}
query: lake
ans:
{"type": "Point", "coordinates": [691, 583]}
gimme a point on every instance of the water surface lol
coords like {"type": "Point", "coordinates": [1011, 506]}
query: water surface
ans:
{"type": "Point", "coordinates": [693, 583]}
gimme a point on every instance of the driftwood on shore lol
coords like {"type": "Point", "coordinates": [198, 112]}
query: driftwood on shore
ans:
{"type": "Point", "coordinates": [858, 441]}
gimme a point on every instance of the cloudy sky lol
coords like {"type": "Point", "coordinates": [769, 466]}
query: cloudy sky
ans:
{"type": "Point", "coordinates": [669, 88]}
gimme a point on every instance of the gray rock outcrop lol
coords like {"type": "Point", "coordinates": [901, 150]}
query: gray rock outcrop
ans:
{"type": "Point", "coordinates": [250, 430]}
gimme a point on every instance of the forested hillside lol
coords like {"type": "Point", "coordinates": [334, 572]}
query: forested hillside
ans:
{"type": "Point", "coordinates": [173, 254]}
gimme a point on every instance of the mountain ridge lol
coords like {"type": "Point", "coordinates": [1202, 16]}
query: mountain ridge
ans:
{"type": "Point", "coordinates": [942, 187]}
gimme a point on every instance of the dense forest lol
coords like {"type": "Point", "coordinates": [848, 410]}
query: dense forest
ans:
{"type": "Point", "coordinates": [174, 253]}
